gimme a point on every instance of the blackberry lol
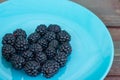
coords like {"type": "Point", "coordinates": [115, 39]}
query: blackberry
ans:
{"type": "Point", "coordinates": [50, 68]}
{"type": "Point", "coordinates": [19, 32]}
{"type": "Point", "coordinates": [54, 43]}
{"type": "Point", "coordinates": [28, 55]}
{"type": "Point", "coordinates": [54, 28]}
{"type": "Point", "coordinates": [63, 36]}
{"type": "Point", "coordinates": [40, 57]}
{"type": "Point", "coordinates": [8, 39]}
{"type": "Point", "coordinates": [41, 29]}
{"type": "Point", "coordinates": [21, 44]}
{"type": "Point", "coordinates": [33, 38]}
{"type": "Point", "coordinates": [49, 36]}
{"type": "Point", "coordinates": [50, 52]}
{"type": "Point", "coordinates": [35, 48]}
{"type": "Point", "coordinates": [61, 58]}
{"type": "Point", "coordinates": [32, 68]}
{"type": "Point", "coordinates": [65, 47]}
{"type": "Point", "coordinates": [17, 61]}
{"type": "Point", "coordinates": [43, 43]}
{"type": "Point", "coordinates": [7, 51]}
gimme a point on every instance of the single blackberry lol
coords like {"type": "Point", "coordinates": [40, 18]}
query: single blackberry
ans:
{"type": "Point", "coordinates": [63, 36]}
{"type": "Point", "coordinates": [21, 44]}
{"type": "Point", "coordinates": [40, 57]}
{"type": "Point", "coordinates": [50, 52]}
{"type": "Point", "coordinates": [7, 51]}
{"type": "Point", "coordinates": [54, 43]}
{"type": "Point", "coordinates": [8, 39]}
{"type": "Point", "coordinates": [61, 58]}
{"type": "Point", "coordinates": [32, 68]}
{"type": "Point", "coordinates": [28, 55]}
{"type": "Point", "coordinates": [50, 68]}
{"type": "Point", "coordinates": [41, 29]}
{"type": "Point", "coordinates": [54, 28]}
{"type": "Point", "coordinates": [35, 48]}
{"type": "Point", "coordinates": [17, 61]}
{"type": "Point", "coordinates": [19, 32]}
{"type": "Point", "coordinates": [49, 36]}
{"type": "Point", "coordinates": [43, 43]}
{"type": "Point", "coordinates": [65, 47]}
{"type": "Point", "coordinates": [33, 38]}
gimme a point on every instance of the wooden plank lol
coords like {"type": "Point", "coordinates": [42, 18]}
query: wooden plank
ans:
{"type": "Point", "coordinates": [115, 33]}
{"type": "Point", "coordinates": [113, 78]}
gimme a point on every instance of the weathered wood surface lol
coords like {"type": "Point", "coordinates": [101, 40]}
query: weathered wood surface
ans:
{"type": "Point", "coordinates": [114, 73]}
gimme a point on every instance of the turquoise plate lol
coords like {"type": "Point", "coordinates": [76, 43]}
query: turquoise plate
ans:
{"type": "Point", "coordinates": [93, 51]}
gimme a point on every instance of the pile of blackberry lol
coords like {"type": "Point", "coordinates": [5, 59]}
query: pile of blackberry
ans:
{"type": "Point", "coordinates": [44, 51]}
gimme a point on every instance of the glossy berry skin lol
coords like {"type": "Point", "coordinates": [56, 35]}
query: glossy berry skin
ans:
{"type": "Point", "coordinates": [63, 36]}
{"type": "Point", "coordinates": [54, 28]}
{"type": "Point", "coordinates": [50, 68]}
{"type": "Point", "coordinates": [49, 36]}
{"type": "Point", "coordinates": [41, 29]}
{"type": "Point", "coordinates": [32, 68]}
{"type": "Point", "coordinates": [8, 39]}
{"type": "Point", "coordinates": [17, 61]}
{"type": "Point", "coordinates": [19, 32]}
{"type": "Point", "coordinates": [7, 51]}
{"type": "Point", "coordinates": [66, 47]}
{"type": "Point", "coordinates": [21, 44]}
{"type": "Point", "coordinates": [33, 38]}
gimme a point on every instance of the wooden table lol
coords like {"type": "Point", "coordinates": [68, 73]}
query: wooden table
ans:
{"type": "Point", "coordinates": [114, 73]}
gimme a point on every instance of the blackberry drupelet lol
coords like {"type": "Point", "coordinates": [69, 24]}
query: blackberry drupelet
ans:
{"type": "Point", "coordinates": [50, 68]}
{"type": "Point", "coordinates": [61, 58]}
{"type": "Point", "coordinates": [8, 39]}
{"type": "Point", "coordinates": [7, 51]}
{"type": "Point", "coordinates": [54, 43]}
{"type": "Point", "coordinates": [19, 32]}
{"type": "Point", "coordinates": [66, 47]}
{"type": "Point", "coordinates": [17, 61]}
{"type": "Point", "coordinates": [28, 55]}
{"type": "Point", "coordinates": [63, 36]}
{"type": "Point", "coordinates": [33, 38]}
{"type": "Point", "coordinates": [41, 29]}
{"type": "Point", "coordinates": [54, 28]}
{"type": "Point", "coordinates": [43, 43]}
{"type": "Point", "coordinates": [21, 44]}
{"type": "Point", "coordinates": [32, 68]}
{"type": "Point", "coordinates": [50, 52]}
{"type": "Point", "coordinates": [49, 36]}
{"type": "Point", "coordinates": [35, 48]}
{"type": "Point", "coordinates": [40, 57]}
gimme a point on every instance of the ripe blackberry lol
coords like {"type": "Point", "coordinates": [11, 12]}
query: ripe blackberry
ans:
{"type": "Point", "coordinates": [43, 43]}
{"type": "Point", "coordinates": [49, 36]}
{"type": "Point", "coordinates": [32, 68]}
{"type": "Point", "coordinates": [54, 43]}
{"type": "Point", "coordinates": [50, 52]}
{"type": "Point", "coordinates": [63, 36]}
{"type": "Point", "coordinates": [50, 68]}
{"type": "Point", "coordinates": [54, 28]}
{"type": "Point", "coordinates": [7, 51]}
{"type": "Point", "coordinates": [8, 39]}
{"type": "Point", "coordinates": [21, 44]}
{"type": "Point", "coordinates": [28, 55]}
{"type": "Point", "coordinates": [61, 58]}
{"type": "Point", "coordinates": [19, 32]}
{"type": "Point", "coordinates": [33, 38]}
{"type": "Point", "coordinates": [35, 48]}
{"type": "Point", "coordinates": [41, 29]}
{"type": "Point", "coordinates": [40, 57]}
{"type": "Point", "coordinates": [65, 47]}
{"type": "Point", "coordinates": [17, 61]}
